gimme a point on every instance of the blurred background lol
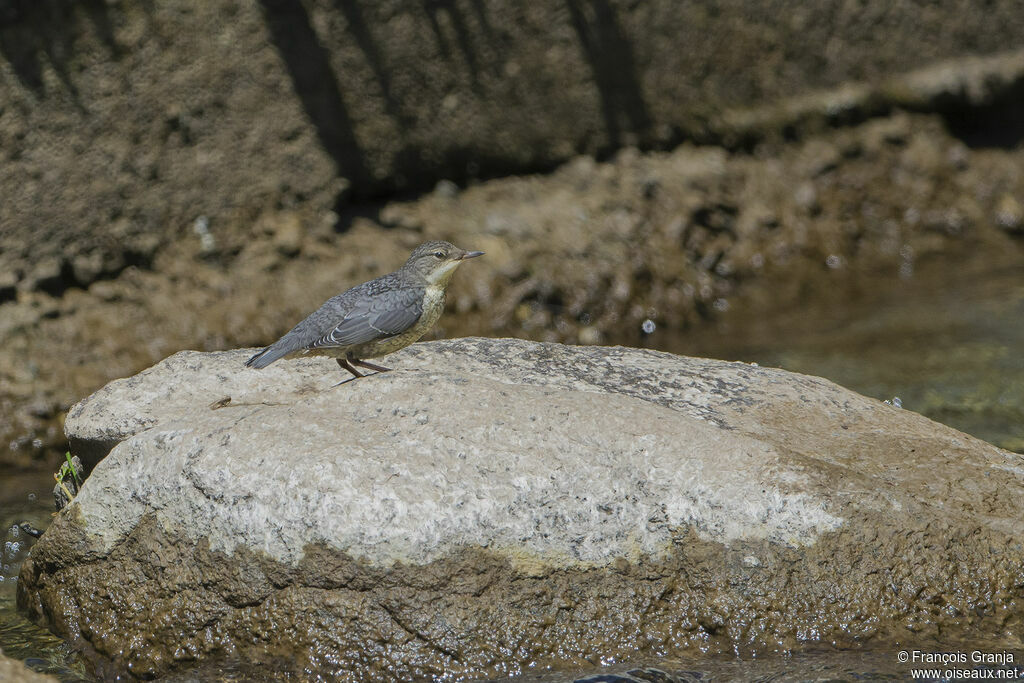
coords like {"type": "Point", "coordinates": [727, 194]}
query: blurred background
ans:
{"type": "Point", "coordinates": [833, 187]}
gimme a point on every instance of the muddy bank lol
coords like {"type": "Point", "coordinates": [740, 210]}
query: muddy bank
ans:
{"type": "Point", "coordinates": [125, 122]}
{"type": "Point", "coordinates": [585, 254]}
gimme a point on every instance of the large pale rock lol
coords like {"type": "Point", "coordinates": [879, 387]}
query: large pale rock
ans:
{"type": "Point", "coordinates": [493, 505]}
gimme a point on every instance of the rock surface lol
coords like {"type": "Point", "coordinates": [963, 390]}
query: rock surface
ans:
{"type": "Point", "coordinates": [492, 506]}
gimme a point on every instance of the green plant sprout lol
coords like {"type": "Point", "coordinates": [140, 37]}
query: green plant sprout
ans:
{"type": "Point", "coordinates": [68, 468]}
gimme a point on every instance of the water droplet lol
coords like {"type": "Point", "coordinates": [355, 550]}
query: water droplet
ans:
{"type": "Point", "coordinates": [721, 305]}
{"type": "Point", "coordinates": [37, 444]}
{"type": "Point", "coordinates": [31, 497]}
{"type": "Point", "coordinates": [897, 402]}
{"type": "Point", "coordinates": [833, 261]}
{"type": "Point", "coordinates": [201, 227]}
{"type": "Point", "coordinates": [648, 326]}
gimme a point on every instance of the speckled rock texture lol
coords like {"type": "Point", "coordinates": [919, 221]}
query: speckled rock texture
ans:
{"type": "Point", "coordinates": [493, 506]}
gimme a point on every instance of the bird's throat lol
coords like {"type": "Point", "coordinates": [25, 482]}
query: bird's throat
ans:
{"type": "Point", "coordinates": [443, 274]}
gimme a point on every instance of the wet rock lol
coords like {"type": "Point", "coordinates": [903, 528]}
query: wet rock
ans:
{"type": "Point", "coordinates": [496, 504]}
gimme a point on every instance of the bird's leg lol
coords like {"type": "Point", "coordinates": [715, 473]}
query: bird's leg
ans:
{"type": "Point", "coordinates": [343, 362]}
{"type": "Point", "coordinates": [364, 364]}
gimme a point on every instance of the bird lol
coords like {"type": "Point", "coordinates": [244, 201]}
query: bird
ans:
{"type": "Point", "coordinates": [377, 317]}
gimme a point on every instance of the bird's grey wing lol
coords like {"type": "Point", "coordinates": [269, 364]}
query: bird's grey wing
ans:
{"type": "Point", "coordinates": [381, 316]}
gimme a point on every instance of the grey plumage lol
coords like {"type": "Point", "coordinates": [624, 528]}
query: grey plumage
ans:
{"type": "Point", "coordinates": [383, 307]}
{"type": "Point", "coordinates": [376, 317]}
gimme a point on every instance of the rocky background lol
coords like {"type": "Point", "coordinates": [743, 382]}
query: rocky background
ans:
{"type": "Point", "coordinates": [202, 174]}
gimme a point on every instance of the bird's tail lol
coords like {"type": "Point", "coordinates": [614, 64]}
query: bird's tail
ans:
{"type": "Point", "coordinates": [266, 357]}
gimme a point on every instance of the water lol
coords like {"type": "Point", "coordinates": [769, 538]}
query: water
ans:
{"type": "Point", "coordinates": [947, 342]}
{"type": "Point", "coordinates": [26, 496]}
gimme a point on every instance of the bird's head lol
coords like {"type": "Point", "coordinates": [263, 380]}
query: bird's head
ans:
{"type": "Point", "coordinates": [436, 261]}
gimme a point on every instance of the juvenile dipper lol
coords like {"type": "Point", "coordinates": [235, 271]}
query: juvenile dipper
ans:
{"type": "Point", "coordinates": [377, 317]}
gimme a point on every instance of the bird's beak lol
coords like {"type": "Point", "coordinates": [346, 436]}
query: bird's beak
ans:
{"type": "Point", "coordinates": [471, 254]}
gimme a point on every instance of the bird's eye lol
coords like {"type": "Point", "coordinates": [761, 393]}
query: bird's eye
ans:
{"type": "Point", "coordinates": [439, 254]}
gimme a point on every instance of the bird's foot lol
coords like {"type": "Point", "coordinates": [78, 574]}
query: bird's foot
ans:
{"type": "Point", "coordinates": [364, 364]}
{"type": "Point", "coordinates": [345, 365]}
